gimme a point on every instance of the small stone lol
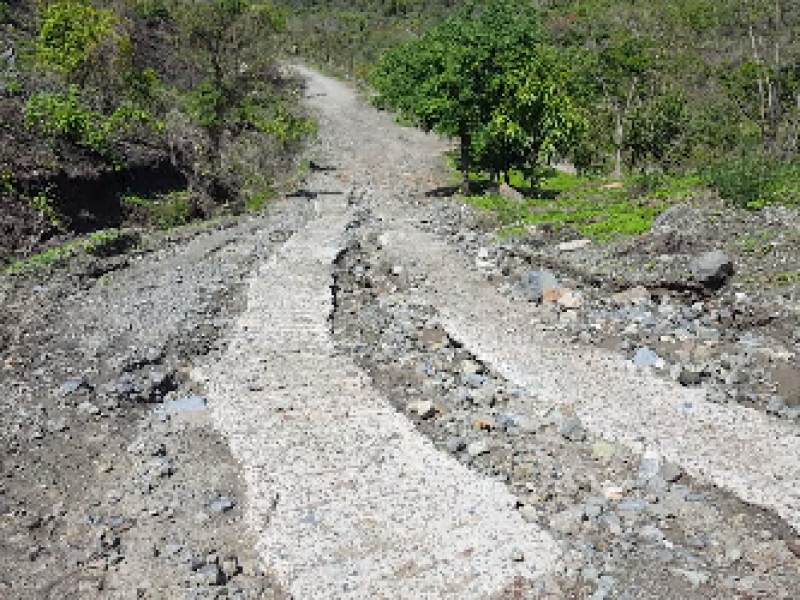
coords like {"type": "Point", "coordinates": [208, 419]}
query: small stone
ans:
{"type": "Point", "coordinates": [423, 409]}
{"type": "Point", "coordinates": [649, 465]}
{"type": "Point", "coordinates": [57, 425]}
{"type": "Point", "coordinates": [794, 546]}
{"type": "Point", "coordinates": [209, 574]}
{"type": "Point", "coordinates": [529, 513]}
{"type": "Point", "coordinates": [603, 450]}
{"type": "Point", "coordinates": [484, 422]}
{"type": "Point", "coordinates": [456, 444]}
{"type": "Point", "coordinates": [670, 472]}
{"type": "Point", "coordinates": [171, 549]}
{"type": "Point", "coordinates": [633, 295]}
{"type": "Point", "coordinates": [650, 532]}
{"type": "Point", "coordinates": [613, 493]}
{"type": "Point", "coordinates": [567, 521]}
{"type": "Point", "coordinates": [696, 578]}
{"type": "Point", "coordinates": [572, 429]}
{"type": "Point", "coordinates": [71, 386]}
{"type": "Point", "coordinates": [690, 375]}
{"type": "Point", "coordinates": [632, 506]}
{"type": "Point", "coordinates": [477, 448]}
{"type": "Point", "coordinates": [538, 282]}
{"type": "Point", "coordinates": [573, 245]}
{"type": "Point", "coordinates": [230, 567]}
{"type": "Point", "coordinates": [645, 357]}
{"type": "Point", "coordinates": [221, 505]}
{"type": "Point", "coordinates": [776, 405]}
{"type": "Point", "coordinates": [570, 299]}
{"type": "Point", "coordinates": [89, 408]}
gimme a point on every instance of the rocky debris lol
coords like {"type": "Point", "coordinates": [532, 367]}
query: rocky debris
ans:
{"type": "Point", "coordinates": [103, 476]}
{"type": "Point", "coordinates": [611, 506]}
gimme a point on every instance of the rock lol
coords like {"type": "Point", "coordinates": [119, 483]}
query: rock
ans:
{"type": "Point", "coordinates": [553, 295]}
{"type": "Point", "coordinates": [670, 472]}
{"type": "Point", "coordinates": [509, 193]}
{"type": "Point", "coordinates": [776, 405]}
{"type": "Point", "coordinates": [456, 444]}
{"type": "Point", "coordinates": [794, 546]}
{"type": "Point", "coordinates": [423, 409]}
{"type": "Point", "coordinates": [570, 299]}
{"type": "Point", "coordinates": [475, 380]}
{"type": "Point", "coordinates": [635, 505]}
{"type": "Point", "coordinates": [649, 465]}
{"type": "Point", "coordinates": [633, 295]}
{"type": "Point", "coordinates": [221, 505]}
{"type": "Point", "coordinates": [573, 245]}
{"type": "Point", "coordinates": [529, 513]}
{"type": "Point", "coordinates": [690, 375]}
{"type": "Point", "coordinates": [696, 578]}
{"type": "Point", "coordinates": [645, 357]}
{"type": "Point", "coordinates": [572, 429]}
{"type": "Point", "coordinates": [188, 404]}
{"type": "Point", "coordinates": [209, 574]}
{"type": "Point", "coordinates": [73, 386]}
{"type": "Point", "coordinates": [484, 422]}
{"type": "Point", "coordinates": [567, 521]}
{"type": "Point", "coordinates": [89, 408]}
{"type": "Point", "coordinates": [538, 282]}
{"type": "Point", "coordinates": [478, 448]}
{"type": "Point", "coordinates": [712, 269]}
{"type": "Point", "coordinates": [230, 567]}
{"type": "Point", "coordinates": [603, 450]}
{"type": "Point", "coordinates": [57, 425]}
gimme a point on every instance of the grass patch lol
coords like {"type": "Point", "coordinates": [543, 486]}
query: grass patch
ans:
{"type": "Point", "coordinates": [593, 207]}
{"type": "Point", "coordinates": [165, 211]}
{"type": "Point", "coordinates": [107, 242]}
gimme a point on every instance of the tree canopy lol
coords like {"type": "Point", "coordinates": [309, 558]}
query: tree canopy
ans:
{"type": "Point", "coordinates": [487, 76]}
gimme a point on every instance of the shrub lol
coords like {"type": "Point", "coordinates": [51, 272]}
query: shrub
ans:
{"type": "Point", "coordinates": [70, 33]}
{"type": "Point", "coordinates": [747, 182]}
{"type": "Point", "coordinates": [63, 116]}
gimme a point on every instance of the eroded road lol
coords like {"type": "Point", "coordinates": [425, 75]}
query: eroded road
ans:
{"type": "Point", "coordinates": [350, 500]}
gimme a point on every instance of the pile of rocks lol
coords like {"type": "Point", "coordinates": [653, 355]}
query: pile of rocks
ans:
{"type": "Point", "coordinates": [690, 323]}
{"type": "Point", "coordinates": [632, 525]}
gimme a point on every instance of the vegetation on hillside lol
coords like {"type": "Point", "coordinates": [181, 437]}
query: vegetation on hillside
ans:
{"type": "Point", "coordinates": [180, 104]}
{"type": "Point", "coordinates": [700, 87]}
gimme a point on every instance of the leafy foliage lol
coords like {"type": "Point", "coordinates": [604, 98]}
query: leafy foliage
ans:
{"type": "Point", "coordinates": [485, 76]}
{"type": "Point", "coordinates": [71, 34]}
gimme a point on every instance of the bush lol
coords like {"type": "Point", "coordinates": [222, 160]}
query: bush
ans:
{"type": "Point", "coordinates": [70, 33]}
{"type": "Point", "coordinates": [63, 116]}
{"type": "Point", "coordinates": [747, 182]}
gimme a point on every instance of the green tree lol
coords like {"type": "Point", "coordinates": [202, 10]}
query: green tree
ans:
{"type": "Point", "coordinates": [470, 78]}
{"type": "Point", "coordinates": [535, 118]}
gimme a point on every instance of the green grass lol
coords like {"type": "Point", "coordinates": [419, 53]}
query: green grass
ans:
{"type": "Point", "coordinates": [166, 211]}
{"type": "Point", "coordinates": [586, 205]}
{"type": "Point", "coordinates": [101, 243]}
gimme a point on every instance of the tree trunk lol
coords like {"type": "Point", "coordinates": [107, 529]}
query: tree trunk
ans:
{"type": "Point", "coordinates": [466, 143]}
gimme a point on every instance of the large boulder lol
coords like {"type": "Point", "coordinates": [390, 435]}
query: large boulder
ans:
{"type": "Point", "coordinates": [712, 269]}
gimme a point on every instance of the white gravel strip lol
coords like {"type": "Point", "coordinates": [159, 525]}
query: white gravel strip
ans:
{"type": "Point", "coordinates": [743, 450]}
{"type": "Point", "coordinates": [348, 499]}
